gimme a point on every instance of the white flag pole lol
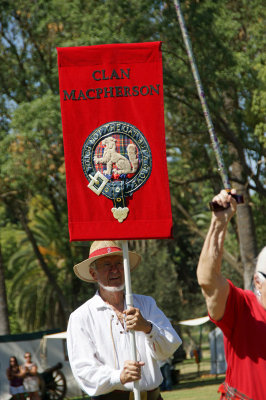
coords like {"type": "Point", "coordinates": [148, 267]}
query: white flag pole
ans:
{"type": "Point", "coordinates": [129, 303]}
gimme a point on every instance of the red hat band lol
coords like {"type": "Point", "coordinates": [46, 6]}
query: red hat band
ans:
{"type": "Point", "coordinates": [104, 251]}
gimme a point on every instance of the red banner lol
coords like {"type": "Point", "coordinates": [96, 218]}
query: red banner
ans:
{"type": "Point", "coordinates": [114, 141]}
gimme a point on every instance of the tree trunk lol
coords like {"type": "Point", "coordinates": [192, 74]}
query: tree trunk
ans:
{"type": "Point", "coordinates": [245, 223]}
{"type": "Point", "coordinates": [4, 321]}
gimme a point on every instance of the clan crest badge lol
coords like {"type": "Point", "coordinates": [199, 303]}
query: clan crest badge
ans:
{"type": "Point", "coordinates": [116, 160]}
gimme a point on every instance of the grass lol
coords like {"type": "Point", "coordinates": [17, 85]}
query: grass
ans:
{"type": "Point", "coordinates": [195, 382]}
{"type": "Point", "coordinates": [197, 389]}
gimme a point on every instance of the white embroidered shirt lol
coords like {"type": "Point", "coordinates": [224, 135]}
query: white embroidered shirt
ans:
{"type": "Point", "coordinates": [98, 345]}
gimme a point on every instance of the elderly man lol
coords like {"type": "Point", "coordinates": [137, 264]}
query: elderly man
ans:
{"type": "Point", "coordinates": [241, 314]}
{"type": "Point", "coordinates": [97, 335]}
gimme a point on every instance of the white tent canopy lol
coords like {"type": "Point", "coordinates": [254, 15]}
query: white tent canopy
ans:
{"type": "Point", "coordinates": [195, 321]}
{"type": "Point", "coordinates": [60, 335]}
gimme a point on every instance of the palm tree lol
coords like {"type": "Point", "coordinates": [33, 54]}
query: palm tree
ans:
{"type": "Point", "coordinates": [40, 301]}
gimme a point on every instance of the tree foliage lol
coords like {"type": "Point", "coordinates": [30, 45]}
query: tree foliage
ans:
{"type": "Point", "coordinates": [228, 42]}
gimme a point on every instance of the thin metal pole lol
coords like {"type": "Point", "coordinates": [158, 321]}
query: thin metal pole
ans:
{"type": "Point", "coordinates": [129, 303]}
{"type": "Point", "coordinates": [214, 139]}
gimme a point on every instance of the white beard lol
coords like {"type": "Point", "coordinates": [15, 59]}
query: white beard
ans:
{"type": "Point", "coordinates": [112, 288]}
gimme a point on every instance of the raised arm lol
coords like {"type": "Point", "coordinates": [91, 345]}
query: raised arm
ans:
{"type": "Point", "coordinates": [215, 287]}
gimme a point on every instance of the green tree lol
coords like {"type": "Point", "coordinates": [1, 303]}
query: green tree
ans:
{"type": "Point", "coordinates": [228, 42]}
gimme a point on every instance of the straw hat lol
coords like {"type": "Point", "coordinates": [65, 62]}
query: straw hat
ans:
{"type": "Point", "coordinates": [100, 249]}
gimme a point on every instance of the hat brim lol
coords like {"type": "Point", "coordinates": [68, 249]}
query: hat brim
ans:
{"type": "Point", "coordinates": [261, 262]}
{"type": "Point", "coordinates": [82, 270]}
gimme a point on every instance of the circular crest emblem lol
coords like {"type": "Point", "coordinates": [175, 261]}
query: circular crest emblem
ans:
{"type": "Point", "coordinates": [116, 160]}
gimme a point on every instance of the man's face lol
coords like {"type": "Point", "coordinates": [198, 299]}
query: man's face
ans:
{"type": "Point", "coordinates": [109, 271]}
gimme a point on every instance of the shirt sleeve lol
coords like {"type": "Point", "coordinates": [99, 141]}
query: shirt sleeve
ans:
{"type": "Point", "coordinates": [163, 340]}
{"type": "Point", "coordinates": [234, 303]}
{"type": "Point", "coordinates": [93, 377]}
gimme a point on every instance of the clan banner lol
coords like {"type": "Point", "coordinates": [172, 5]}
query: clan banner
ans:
{"type": "Point", "coordinates": [114, 141]}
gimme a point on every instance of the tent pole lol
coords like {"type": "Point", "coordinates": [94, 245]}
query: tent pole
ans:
{"type": "Point", "coordinates": [129, 303]}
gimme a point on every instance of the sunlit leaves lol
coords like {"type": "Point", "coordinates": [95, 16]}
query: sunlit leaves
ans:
{"type": "Point", "coordinates": [228, 42]}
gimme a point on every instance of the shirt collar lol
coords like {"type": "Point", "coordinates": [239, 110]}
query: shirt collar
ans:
{"type": "Point", "coordinates": [99, 303]}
